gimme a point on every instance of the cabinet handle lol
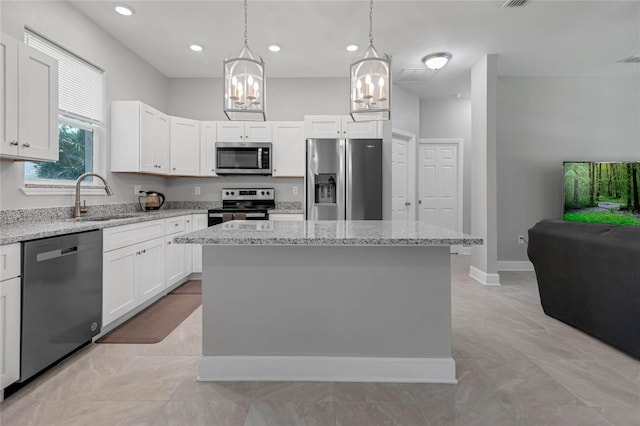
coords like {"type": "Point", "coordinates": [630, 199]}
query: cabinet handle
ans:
{"type": "Point", "coordinates": [14, 143]}
{"type": "Point", "coordinates": [26, 144]}
{"type": "Point", "coordinates": [168, 243]}
{"type": "Point", "coordinates": [338, 132]}
{"type": "Point", "coordinates": [176, 224]}
{"type": "Point", "coordinates": [174, 168]}
{"type": "Point", "coordinates": [344, 131]}
{"type": "Point", "coordinates": [241, 136]}
{"type": "Point", "coordinates": [138, 253]}
{"type": "Point", "coordinates": [213, 170]}
{"type": "Point", "coordinates": [144, 251]}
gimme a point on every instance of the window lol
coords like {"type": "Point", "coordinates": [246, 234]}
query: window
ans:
{"type": "Point", "coordinates": [80, 117]}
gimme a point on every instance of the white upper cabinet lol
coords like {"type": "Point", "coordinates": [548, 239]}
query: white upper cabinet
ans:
{"type": "Point", "coordinates": [288, 149]}
{"type": "Point", "coordinates": [208, 148]}
{"type": "Point", "coordinates": [155, 140]}
{"type": "Point", "coordinates": [244, 131]}
{"type": "Point", "coordinates": [185, 147]}
{"type": "Point", "coordinates": [340, 126]}
{"type": "Point", "coordinates": [360, 129]}
{"type": "Point", "coordinates": [140, 138]}
{"type": "Point", "coordinates": [29, 102]}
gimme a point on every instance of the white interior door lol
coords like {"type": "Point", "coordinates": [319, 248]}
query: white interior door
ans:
{"type": "Point", "coordinates": [439, 181]}
{"type": "Point", "coordinates": [403, 176]}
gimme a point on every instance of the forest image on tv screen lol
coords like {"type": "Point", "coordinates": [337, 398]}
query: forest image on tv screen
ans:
{"type": "Point", "coordinates": [602, 193]}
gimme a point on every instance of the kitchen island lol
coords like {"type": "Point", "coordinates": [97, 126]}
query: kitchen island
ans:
{"type": "Point", "coordinates": [327, 300]}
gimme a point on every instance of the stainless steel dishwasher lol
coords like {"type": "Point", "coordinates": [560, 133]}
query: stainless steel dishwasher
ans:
{"type": "Point", "coordinates": [61, 298]}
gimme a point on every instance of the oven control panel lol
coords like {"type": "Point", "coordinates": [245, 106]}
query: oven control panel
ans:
{"type": "Point", "coordinates": [229, 194]}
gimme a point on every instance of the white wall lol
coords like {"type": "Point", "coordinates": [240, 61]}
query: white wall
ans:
{"type": "Point", "coordinates": [405, 111]}
{"type": "Point", "coordinates": [287, 98]}
{"type": "Point", "coordinates": [451, 119]}
{"type": "Point", "coordinates": [543, 121]}
{"type": "Point", "coordinates": [127, 76]}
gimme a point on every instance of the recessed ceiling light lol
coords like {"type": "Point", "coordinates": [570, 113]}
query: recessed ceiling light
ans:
{"type": "Point", "coordinates": [196, 48]}
{"type": "Point", "coordinates": [352, 48]}
{"type": "Point", "coordinates": [124, 10]}
{"type": "Point", "coordinates": [274, 48]}
{"type": "Point", "coordinates": [436, 61]}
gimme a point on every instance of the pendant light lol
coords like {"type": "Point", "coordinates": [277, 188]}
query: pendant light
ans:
{"type": "Point", "coordinates": [244, 84]}
{"type": "Point", "coordinates": [371, 82]}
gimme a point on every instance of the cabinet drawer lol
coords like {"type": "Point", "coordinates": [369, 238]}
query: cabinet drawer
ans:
{"type": "Point", "coordinates": [175, 224]}
{"type": "Point", "coordinates": [9, 261]}
{"type": "Point", "coordinates": [126, 235]}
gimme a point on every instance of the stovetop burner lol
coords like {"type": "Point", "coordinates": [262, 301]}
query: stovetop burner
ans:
{"type": "Point", "coordinates": [247, 199]}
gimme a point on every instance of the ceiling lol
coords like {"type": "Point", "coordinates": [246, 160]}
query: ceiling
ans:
{"type": "Point", "coordinates": [543, 38]}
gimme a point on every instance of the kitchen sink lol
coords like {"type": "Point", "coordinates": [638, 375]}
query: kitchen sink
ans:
{"type": "Point", "coordinates": [103, 218]}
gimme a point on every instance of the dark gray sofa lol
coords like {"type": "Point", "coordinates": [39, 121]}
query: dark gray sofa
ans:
{"type": "Point", "coordinates": [589, 277]}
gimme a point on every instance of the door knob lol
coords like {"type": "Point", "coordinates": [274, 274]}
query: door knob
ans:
{"type": "Point", "coordinates": [407, 204]}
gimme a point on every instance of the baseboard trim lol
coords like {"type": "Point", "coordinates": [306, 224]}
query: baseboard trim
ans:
{"type": "Point", "coordinates": [482, 277]}
{"type": "Point", "coordinates": [515, 265]}
{"type": "Point", "coordinates": [327, 368]}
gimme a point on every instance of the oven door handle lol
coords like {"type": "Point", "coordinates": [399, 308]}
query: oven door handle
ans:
{"type": "Point", "coordinates": [263, 215]}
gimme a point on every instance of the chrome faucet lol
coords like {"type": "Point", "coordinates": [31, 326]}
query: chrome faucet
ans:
{"type": "Point", "coordinates": [78, 211]}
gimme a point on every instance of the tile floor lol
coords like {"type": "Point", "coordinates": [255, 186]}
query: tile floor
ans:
{"type": "Point", "coordinates": [515, 366]}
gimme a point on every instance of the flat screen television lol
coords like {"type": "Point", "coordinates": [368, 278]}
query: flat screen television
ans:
{"type": "Point", "coordinates": [600, 192]}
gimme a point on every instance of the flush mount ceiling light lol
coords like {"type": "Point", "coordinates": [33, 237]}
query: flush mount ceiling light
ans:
{"type": "Point", "coordinates": [436, 61]}
{"type": "Point", "coordinates": [124, 10]}
{"type": "Point", "coordinates": [244, 84]}
{"type": "Point", "coordinates": [196, 48]}
{"type": "Point", "coordinates": [274, 48]}
{"type": "Point", "coordinates": [352, 48]}
{"type": "Point", "coordinates": [371, 82]}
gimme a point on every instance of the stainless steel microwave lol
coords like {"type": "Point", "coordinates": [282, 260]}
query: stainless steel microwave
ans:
{"type": "Point", "coordinates": [243, 158]}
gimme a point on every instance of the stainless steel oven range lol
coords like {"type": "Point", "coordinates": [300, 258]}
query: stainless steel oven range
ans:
{"type": "Point", "coordinates": [243, 204]}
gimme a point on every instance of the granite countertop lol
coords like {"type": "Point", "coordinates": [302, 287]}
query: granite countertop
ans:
{"type": "Point", "coordinates": [24, 231]}
{"type": "Point", "coordinates": [327, 233]}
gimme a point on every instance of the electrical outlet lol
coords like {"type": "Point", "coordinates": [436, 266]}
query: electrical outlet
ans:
{"type": "Point", "coordinates": [295, 189]}
{"type": "Point", "coordinates": [197, 190]}
{"type": "Point", "coordinates": [521, 239]}
{"type": "Point", "coordinates": [137, 189]}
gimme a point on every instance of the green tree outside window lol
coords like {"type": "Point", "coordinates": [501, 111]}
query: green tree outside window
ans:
{"type": "Point", "coordinates": [75, 156]}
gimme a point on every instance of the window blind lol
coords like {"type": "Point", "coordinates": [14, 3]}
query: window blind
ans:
{"type": "Point", "coordinates": [79, 82]}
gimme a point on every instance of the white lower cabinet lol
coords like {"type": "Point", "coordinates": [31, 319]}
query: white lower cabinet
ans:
{"type": "Point", "coordinates": [131, 275]}
{"type": "Point", "coordinates": [9, 331]}
{"type": "Point", "coordinates": [119, 283]}
{"type": "Point", "coordinates": [140, 261]}
{"type": "Point", "coordinates": [200, 221]}
{"type": "Point", "coordinates": [10, 255]}
{"type": "Point", "coordinates": [178, 261]}
{"type": "Point", "coordinates": [175, 263]}
{"type": "Point", "coordinates": [151, 277]}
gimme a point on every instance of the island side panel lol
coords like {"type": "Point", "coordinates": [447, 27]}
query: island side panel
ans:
{"type": "Point", "coordinates": [355, 301]}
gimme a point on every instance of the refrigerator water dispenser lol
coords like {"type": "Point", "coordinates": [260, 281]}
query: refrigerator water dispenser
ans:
{"type": "Point", "coordinates": [325, 188]}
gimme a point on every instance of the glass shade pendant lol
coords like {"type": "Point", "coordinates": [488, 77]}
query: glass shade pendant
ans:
{"type": "Point", "coordinates": [244, 84]}
{"type": "Point", "coordinates": [371, 82]}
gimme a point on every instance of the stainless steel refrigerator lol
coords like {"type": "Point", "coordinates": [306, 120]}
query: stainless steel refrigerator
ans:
{"type": "Point", "coordinates": [344, 179]}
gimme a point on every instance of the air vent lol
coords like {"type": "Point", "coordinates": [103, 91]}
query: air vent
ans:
{"type": "Point", "coordinates": [515, 3]}
{"type": "Point", "coordinates": [633, 59]}
{"type": "Point", "coordinates": [415, 74]}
